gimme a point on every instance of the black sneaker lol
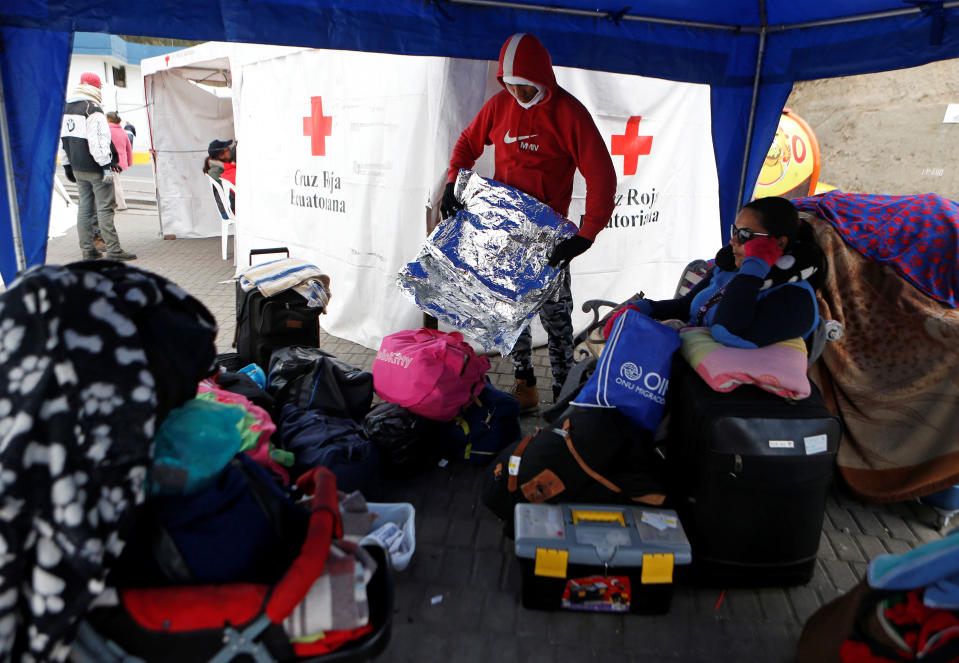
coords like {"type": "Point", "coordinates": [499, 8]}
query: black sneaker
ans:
{"type": "Point", "coordinates": [122, 255]}
{"type": "Point", "coordinates": [92, 255]}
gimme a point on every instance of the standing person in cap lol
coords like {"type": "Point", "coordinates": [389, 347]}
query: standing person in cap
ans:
{"type": "Point", "coordinates": [88, 158]}
{"type": "Point", "coordinates": [221, 162]}
{"type": "Point", "coordinates": [541, 134]}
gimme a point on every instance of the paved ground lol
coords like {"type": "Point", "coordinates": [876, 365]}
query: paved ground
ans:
{"type": "Point", "coordinates": [462, 557]}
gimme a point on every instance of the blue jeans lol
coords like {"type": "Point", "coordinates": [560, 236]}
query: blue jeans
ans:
{"type": "Point", "coordinates": [97, 203]}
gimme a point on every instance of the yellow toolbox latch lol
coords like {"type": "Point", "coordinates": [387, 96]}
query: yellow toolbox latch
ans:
{"type": "Point", "coordinates": [551, 563]}
{"type": "Point", "coordinates": [657, 568]}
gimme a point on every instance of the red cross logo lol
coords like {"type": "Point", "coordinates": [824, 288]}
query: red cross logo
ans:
{"type": "Point", "coordinates": [631, 145]}
{"type": "Point", "coordinates": [317, 126]}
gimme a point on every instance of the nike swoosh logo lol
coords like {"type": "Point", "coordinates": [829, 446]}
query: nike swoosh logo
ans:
{"type": "Point", "coordinates": [509, 139]}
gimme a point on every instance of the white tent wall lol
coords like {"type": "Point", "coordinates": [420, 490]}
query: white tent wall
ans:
{"type": "Point", "coordinates": [63, 211]}
{"type": "Point", "coordinates": [356, 202]}
{"type": "Point", "coordinates": [459, 84]}
{"type": "Point", "coordinates": [351, 194]}
{"type": "Point", "coordinates": [184, 118]}
{"type": "Point", "coordinates": [666, 201]}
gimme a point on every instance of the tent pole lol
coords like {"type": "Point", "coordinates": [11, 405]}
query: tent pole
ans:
{"type": "Point", "coordinates": [11, 182]}
{"type": "Point", "coordinates": [890, 13]}
{"type": "Point", "coordinates": [595, 13]}
{"type": "Point", "coordinates": [753, 104]}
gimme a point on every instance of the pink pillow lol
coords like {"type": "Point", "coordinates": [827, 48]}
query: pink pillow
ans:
{"type": "Point", "coordinates": [779, 368]}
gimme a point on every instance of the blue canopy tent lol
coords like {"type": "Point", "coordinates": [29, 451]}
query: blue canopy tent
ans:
{"type": "Point", "coordinates": [749, 51]}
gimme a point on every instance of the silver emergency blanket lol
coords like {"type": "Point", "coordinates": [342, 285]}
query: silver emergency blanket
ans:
{"type": "Point", "coordinates": [484, 270]}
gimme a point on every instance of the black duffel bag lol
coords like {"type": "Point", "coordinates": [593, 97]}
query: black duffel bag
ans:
{"type": "Point", "coordinates": [400, 437]}
{"type": "Point", "coordinates": [312, 379]}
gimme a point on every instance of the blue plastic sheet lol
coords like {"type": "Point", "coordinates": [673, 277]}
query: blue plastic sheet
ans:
{"type": "Point", "coordinates": [484, 271]}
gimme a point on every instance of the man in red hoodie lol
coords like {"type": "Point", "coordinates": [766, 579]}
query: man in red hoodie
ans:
{"type": "Point", "coordinates": [541, 134]}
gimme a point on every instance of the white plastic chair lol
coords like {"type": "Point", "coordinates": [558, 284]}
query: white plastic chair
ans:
{"type": "Point", "coordinates": [221, 196]}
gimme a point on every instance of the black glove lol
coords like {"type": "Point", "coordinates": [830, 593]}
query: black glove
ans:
{"type": "Point", "coordinates": [116, 168]}
{"type": "Point", "coordinates": [449, 205]}
{"type": "Point", "coordinates": [568, 249]}
{"type": "Point", "coordinates": [68, 171]}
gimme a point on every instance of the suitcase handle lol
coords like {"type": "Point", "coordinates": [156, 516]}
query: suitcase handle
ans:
{"type": "Point", "coordinates": [276, 249]}
{"type": "Point", "coordinates": [597, 517]}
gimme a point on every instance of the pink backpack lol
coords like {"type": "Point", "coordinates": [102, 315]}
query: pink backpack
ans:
{"type": "Point", "coordinates": [429, 372]}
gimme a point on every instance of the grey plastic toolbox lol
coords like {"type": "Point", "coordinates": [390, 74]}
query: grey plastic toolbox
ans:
{"type": "Point", "coordinates": [603, 558]}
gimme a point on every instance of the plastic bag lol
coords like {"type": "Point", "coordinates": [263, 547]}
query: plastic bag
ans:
{"type": "Point", "coordinates": [193, 445]}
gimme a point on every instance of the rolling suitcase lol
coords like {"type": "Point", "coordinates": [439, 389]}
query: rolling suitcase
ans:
{"type": "Point", "coordinates": [749, 473]}
{"type": "Point", "coordinates": [264, 324]}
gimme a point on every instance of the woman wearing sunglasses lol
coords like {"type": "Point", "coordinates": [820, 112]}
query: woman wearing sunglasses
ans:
{"type": "Point", "coordinates": [761, 288]}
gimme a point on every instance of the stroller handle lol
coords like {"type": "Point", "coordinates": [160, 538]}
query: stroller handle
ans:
{"type": "Point", "coordinates": [324, 525]}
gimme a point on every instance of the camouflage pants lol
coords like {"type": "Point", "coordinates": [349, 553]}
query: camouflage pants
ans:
{"type": "Point", "coordinates": [556, 316]}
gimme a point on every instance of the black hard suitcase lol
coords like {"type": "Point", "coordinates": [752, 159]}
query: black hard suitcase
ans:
{"type": "Point", "coordinates": [264, 324]}
{"type": "Point", "coordinates": [748, 473]}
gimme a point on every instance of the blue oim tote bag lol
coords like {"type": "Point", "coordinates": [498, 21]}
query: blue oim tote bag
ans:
{"type": "Point", "coordinates": [632, 374]}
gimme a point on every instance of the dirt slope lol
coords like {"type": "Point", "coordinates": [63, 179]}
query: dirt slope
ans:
{"type": "Point", "coordinates": [883, 133]}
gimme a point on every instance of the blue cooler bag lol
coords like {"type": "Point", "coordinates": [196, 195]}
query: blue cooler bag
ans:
{"type": "Point", "coordinates": [632, 374]}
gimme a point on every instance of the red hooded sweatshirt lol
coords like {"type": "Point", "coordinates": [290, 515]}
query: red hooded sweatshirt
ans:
{"type": "Point", "coordinates": [538, 149]}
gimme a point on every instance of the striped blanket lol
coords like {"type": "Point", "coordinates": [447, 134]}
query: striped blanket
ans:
{"type": "Point", "coordinates": [276, 276]}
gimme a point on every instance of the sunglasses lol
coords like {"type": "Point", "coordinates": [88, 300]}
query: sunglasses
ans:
{"type": "Point", "coordinates": [743, 235]}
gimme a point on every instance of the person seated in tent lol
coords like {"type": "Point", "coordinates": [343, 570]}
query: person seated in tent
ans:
{"type": "Point", "coordinates": [221, 162]}
{"type": "Point", "coordinates": [762, 287]}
